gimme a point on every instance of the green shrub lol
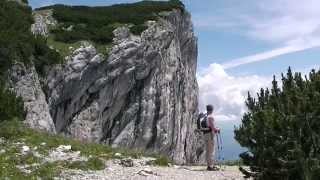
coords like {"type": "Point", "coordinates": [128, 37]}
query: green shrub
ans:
{"type": "Point", "coordinates": [138, 29]}
{"type": "Point", "coordinates": [17, 44]}
{"type": "Point", "coordinates": [93, 163]}
{"type": "Point", "coordinates": [43, 55]}
{"type": "Point", "coordinates": [281, 130]}
{"type": "Point", "coordinates": [161, 161]}
{"type": "Point", "coordinates": [11, 107]}
{"type": "Point", "coordinates": [15, 35]}
{"type": "Point", "coordinates": [12, 129]}
{"type": "Point", "coordinates": [232, 162]}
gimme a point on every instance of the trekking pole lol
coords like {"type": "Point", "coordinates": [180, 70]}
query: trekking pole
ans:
{"type": "Point", "coordinates": [220, 139]}
{"type": "Point", "coordinates": [218, 153]}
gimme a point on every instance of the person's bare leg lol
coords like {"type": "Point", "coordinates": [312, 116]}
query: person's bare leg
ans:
{"type": "Point", "coordinates": [209, 149]}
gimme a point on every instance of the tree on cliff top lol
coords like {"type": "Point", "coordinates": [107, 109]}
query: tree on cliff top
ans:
{"type": "Point", "coordinates": [281, 130]}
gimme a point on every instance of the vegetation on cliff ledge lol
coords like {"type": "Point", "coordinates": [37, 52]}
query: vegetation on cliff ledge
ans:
{"type": "Point", "coordinates": [96, 24]}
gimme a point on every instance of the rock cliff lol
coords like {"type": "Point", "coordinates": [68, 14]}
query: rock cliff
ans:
{"type": "Point", "coordinates": [144, 94]}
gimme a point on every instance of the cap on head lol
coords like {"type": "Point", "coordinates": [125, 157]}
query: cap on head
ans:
{"type": "Point", "coordinates": [209, 108]}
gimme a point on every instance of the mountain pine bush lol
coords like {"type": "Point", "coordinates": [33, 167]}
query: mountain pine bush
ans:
{"type": "Point", "coordinates": [11, 107]}
{"type": "Point", "coordinates": [281, 130]}
{"type": "Point", "coordinates": [17, 44]}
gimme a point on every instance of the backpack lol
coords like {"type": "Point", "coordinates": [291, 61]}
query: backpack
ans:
{"type": "Point", "coordinates": [202, 122]}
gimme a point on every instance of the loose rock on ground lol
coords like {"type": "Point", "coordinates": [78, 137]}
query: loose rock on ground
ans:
{"type": "Point", "coordinates": [119, 172]}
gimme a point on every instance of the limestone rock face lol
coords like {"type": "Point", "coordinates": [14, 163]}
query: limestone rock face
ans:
{"type": "Point", "coordinates": [25, 83]}
{"type": "Point", "coordinates": [144, 94]}
{"type": "Point", "coordinates": [43, 20]}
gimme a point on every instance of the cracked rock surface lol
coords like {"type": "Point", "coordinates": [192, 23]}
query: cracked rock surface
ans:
{"type": "Point", "coordinates": [144, 94]}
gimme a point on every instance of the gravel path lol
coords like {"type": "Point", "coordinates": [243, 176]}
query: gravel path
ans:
{"type": "Point", "coordinates": [117, 172]}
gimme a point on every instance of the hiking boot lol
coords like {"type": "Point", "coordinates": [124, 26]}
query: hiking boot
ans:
{"type": "Point", "coordinates": [212, 168]}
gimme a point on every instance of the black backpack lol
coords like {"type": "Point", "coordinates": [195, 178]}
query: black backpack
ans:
{"type": "Point", "coordinates": [202, 124]}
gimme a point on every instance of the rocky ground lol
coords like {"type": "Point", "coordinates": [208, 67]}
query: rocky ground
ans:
{"type": "Point", "coordinates": [28, 154]}
{"type": "Point", "coordinates": [116, 171]}
{"type": "Point", "coordinates": [72, 165]}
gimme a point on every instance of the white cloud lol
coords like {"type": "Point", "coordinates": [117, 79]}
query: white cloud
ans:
{"type": "Point", "coordinates": [289, 20]}
{"type": "Point", "coordinates": [267, 55]}
{"type": "Point", "coordinates": [290, 25]}
{"type": "Point", "coordinates": [40, 3]}
{"type": "Point", "coordinates": [227, 93]}
{"type": "Point", "coordinates": [211, 22]}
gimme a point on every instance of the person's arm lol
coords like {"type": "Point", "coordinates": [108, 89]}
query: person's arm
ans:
{"type": "Point", "coordinates": [212, 126]}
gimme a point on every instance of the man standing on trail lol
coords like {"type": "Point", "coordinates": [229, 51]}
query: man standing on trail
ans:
{"type": "Point", "coordinates": [209, 139]}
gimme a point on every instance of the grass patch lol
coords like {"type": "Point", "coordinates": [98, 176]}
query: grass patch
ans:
{"type": "Point", "coordinates": [103, 48]}
{"type": "Point", "coordinates": [125, 152]}
{"type": "Point", "coordinates": [65, 49]}
{"type": "Point", "coordinates": [7, 164]}
{"type": "Point", "coordinates": [238, 162]}
{"type": "Point", "coordinates": [17, 135]}
{"type": "Point", "coordinates": [62, 48]}
{"type": "Point", "coordinates": [93, 163]}
{"type": "Point", "coordinates": [46, 171]}
{"type": "Point", "coordinates": [12, 158]}
{"type": "Point", "coordinates": [26, 159]}
{"type": "Point", "coordinates": [15, 131]}
{"type": "Point", "coordinates": [161, 161]}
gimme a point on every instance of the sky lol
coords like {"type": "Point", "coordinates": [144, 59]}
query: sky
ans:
{"type": "Point", "coordinates": [242, 44]}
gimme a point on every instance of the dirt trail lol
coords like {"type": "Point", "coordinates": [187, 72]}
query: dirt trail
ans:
{"type": "Point", "coordinates": [117, 172]}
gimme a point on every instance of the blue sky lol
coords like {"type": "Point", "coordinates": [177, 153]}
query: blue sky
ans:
{"type": "Point", "coordinates": [241, 45]}
{"type": "Point", "coordinates": [232, 29]}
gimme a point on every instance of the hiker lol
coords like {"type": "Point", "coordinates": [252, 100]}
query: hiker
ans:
{"type": "Point", "coordinates": [209, 137]}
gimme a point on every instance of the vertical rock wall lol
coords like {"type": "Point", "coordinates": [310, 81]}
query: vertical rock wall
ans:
{"type": "Point", "coordinates": [143, 95]}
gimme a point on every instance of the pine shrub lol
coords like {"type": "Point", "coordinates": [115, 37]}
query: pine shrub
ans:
{"type": "Point", "coordinates": [281, 130]}
{"type": "Point", "coordinates": [17, 44]}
